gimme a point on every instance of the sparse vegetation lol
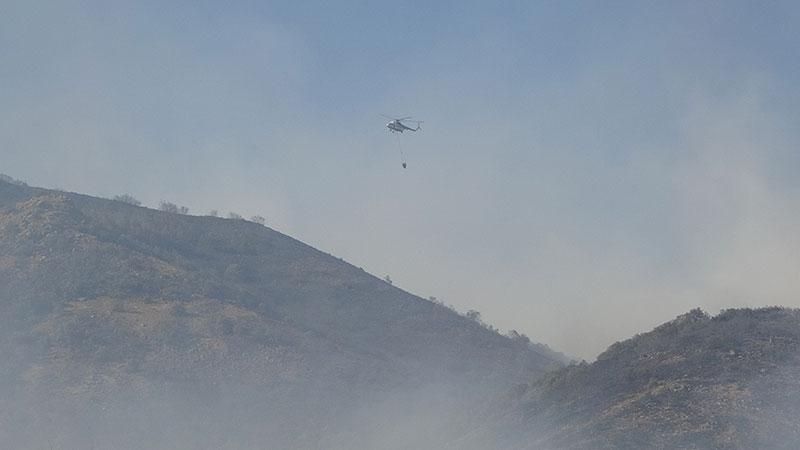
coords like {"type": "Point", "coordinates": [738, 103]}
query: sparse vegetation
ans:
{"type": "Point", "coordinates": [126, 298]}
{"type": "Point", "coordinates": [737, 373]}
{"type": "Point", "coordinates": [8, 179]}
{"type": "Point", "coordinates": [516, 336]}
{"type": "Point", "coordinates": [172, 208]}
{"type": "Point", "coordinates": [127, 198]}
{"type": "Point", "coordinates": [474, 315]}
{"type": "Point", "coordinates": [129, 308]}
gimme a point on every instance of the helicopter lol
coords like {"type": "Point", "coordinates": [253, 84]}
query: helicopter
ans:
{"type": "Point", "coordinates": [397, 125]}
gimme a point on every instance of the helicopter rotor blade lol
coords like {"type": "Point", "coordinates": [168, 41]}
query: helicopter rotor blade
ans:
{"type": "Point", "coordinates": [402, 119]}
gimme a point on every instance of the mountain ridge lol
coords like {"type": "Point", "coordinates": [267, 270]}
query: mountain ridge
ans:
{"type": "Point", "coordinates": [111, 304]}
{"type": "Point", "coordinates": [126, 327]}
{"type": "Point", "coordinates": [696, 382]}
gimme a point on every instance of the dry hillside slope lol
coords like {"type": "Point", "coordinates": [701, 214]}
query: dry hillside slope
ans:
{"type": "Point", "coordinates": [731, 381]}
{"type": "Point", "coordinates": [135, 328]}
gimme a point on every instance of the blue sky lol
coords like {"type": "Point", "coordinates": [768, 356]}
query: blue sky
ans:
{"type": "Point", "coordinates": [586, 170]}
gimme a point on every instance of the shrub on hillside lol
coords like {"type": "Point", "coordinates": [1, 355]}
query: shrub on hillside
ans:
{"type": "Point", "coordinates": [127, 198]}
{"type": "Point", "coordinates": [172, 208]}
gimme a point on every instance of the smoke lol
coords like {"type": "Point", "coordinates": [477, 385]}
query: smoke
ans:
{"type": "Point", "coordinates": [235, 417]}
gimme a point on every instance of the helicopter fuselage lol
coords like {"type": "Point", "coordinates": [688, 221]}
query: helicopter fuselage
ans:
{"type": "Point", "coordinates": [397, 126]}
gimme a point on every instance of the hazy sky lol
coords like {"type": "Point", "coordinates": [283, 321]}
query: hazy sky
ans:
{"type": "Point", "coordinates": [586, 170]}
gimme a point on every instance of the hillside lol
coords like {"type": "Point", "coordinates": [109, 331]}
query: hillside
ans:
{"type": "Point", "coordinates": [126, 327]}
{"type": "Point", "coordinates": [726, 382]}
